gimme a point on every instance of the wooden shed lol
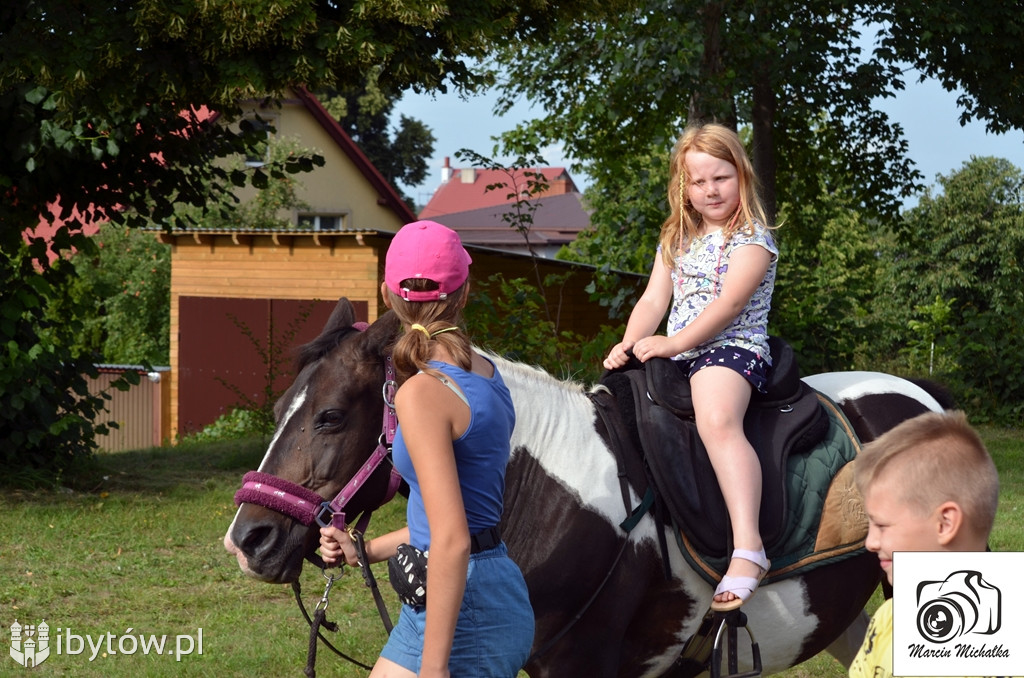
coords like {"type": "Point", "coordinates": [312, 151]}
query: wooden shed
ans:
{"type": "Point", "coordinates": [233, 290]}
{"type": "Point", "coordinates": [241, 299]}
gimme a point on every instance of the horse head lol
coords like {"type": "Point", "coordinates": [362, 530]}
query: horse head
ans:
{"type": "Point", "coordinates": [324, 435]}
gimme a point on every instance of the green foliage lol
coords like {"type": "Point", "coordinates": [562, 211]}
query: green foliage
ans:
{"type": "Point", "coordinates": [969, 47]}
{"type": "Point", "coordinates": [47, 415]}
{"type": "Point", "coordinates": [508, 317]}
{"type": "Point", "coordinates": [625, 225]}
{"type": "Point", "coordinates": [618, 84]}
{"type": "Point", "coordinates": [963, 249]}
{"type": "Point", "coordinates": [400, 154]}
{"type": "Point", "coordinates": [827, 272]}
{"type": "Point", "coordinates": [122, 281]}
{"type": "Point", "coordinates": [270, 204]}
{"type": "Point", "coordinates": [627, 216]}
{"type": "Point", "coordinates": [238, 424]}
{"type": "Point", "coordinates": [931, 342]}
{"type": "Point", "coordinates": [107, 115]}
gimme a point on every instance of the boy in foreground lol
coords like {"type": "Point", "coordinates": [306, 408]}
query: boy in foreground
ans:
{"type": "Point", "coordinates": [928, 484]}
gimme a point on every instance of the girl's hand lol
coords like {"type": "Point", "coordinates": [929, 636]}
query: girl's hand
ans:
{"type": "Point", "coordinates": [337, 545]}
{"type": "Point", "coordinates": [655, 346]}
{"type": "Point", "coordinates": [617, 356]}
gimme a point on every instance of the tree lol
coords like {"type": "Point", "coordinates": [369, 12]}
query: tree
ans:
{"type": "Point", "coordinates": [617, 85]}
{"type": "Point", "coordinates": [124, 275]}
{"type": "Point", "coordinates": [974, 47]}
{"type": "Point", "coordinates": [829, 282]}
{"type": "Point", "coordinates": [107, 112]}
{"type": "Point", "coordinates": [965, 246]}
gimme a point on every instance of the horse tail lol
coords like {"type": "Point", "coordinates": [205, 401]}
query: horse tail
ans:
{"type": "Point", "coordinates": [941, 393]}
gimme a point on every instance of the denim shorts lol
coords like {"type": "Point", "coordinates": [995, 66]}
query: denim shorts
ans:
{"type": "Point", "coordinates": [494, 632]}
{"type": "Point", "coordinates": [748, 364]}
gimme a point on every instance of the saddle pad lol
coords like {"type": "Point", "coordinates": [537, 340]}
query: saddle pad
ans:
{"type": "Point", "coordinates": [826, 519]}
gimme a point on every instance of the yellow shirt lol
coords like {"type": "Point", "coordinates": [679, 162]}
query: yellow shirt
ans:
{"type": "Point", "coordinates": [874, 659]}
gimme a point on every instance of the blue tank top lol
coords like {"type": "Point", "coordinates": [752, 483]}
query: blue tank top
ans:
{"type": "Point", "coordinates": [481, 454]}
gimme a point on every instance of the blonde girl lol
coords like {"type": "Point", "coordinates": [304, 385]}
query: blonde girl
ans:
{"type": "Point", "coordinates": [714, 275]}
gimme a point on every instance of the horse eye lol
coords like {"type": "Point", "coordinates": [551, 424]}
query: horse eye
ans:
{"type": "Point", "coordinates": [329, 419]}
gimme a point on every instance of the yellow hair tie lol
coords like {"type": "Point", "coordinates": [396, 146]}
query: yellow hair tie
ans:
{"type": "Point", "coordinates": [420, 328]}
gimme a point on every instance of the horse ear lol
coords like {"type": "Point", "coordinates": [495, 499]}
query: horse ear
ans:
{"type": "Point", "coordinates": [343, 315]}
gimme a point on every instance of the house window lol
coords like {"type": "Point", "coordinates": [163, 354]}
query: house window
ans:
{"type": "Point", "coordinates": [321, 222]}
{"type": "Point", "coordinates": [260, 156]}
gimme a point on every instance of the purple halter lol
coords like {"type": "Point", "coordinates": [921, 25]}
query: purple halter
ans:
{"type": "Point", "coordinates": [306, 506]}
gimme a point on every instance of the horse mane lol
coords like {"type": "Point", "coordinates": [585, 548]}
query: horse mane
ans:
{"type": "Point", "coordinates": [531, 374]}
{"type": "Point", "coordinates": [321, 346]}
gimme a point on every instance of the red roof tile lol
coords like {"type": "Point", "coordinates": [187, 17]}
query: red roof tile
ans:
{"type": "Point", "coordinates": [466, 189]}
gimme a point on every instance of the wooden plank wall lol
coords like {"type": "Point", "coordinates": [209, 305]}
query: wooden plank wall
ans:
{"type": "Point", "coordinates": [258, 266]}
{"type": "Point", "coordinates": [326, 266]}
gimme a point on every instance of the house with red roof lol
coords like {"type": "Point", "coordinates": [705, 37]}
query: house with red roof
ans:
{"type": "Point", "coordinates": [485, 216]}
{"type": "Point", "coordinates": [230, 284]}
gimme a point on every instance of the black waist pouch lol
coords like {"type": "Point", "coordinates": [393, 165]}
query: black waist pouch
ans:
{"type": "Point", "coordinates": [407, 572]}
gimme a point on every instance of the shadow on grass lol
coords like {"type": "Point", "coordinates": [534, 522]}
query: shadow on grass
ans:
{"type": "Point", "coordinates": [163, 468]}
{"type": "Point", "coordinates": [152, 470]}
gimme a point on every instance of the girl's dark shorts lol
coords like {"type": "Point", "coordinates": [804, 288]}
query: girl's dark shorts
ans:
{"type": "Point", "coordinates": [750, 365]}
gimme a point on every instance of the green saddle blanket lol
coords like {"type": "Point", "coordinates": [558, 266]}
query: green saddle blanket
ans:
{"type": "Point", "coordinates": [825, 515]}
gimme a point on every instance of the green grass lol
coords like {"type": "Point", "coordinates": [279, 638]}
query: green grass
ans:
{"type": "Point", "coordinates": [139, 545]}
{"type": "Point", "coordinates": [142, 549]}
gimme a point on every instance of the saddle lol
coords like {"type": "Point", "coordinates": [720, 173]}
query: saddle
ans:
{"type": "Point", "coordinates": [804, 446]}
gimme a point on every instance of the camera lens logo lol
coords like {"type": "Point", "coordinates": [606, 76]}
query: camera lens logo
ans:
{"type": "Point", "coordinates": [962, 603]}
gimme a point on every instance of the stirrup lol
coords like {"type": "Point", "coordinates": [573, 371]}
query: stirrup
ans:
{"type": "Point", "coordinates": [717, 636]}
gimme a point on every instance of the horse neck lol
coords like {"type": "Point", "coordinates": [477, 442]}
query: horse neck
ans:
{"type": "Point", "coordinates": [560, 465]}
{"type": "Point", "coordinates": [555, 426]}
{"type": "Point", "coordinates": [550, 414]}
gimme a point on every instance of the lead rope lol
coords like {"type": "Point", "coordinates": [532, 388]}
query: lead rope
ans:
{"type": "Point", "coordinates": [370, 580]}
{"type": "Point", "coordinates": [320, 619]}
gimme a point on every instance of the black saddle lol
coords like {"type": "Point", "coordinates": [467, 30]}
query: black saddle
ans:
{"type": "Point", "coordinates": [787, 419]}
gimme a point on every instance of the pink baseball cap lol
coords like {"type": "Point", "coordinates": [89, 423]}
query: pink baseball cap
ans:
{"type": "Point", "coordinates": [426, 249]}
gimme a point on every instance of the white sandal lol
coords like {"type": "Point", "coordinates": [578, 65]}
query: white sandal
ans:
{"type": "Point", "coordinates": [741, 587]}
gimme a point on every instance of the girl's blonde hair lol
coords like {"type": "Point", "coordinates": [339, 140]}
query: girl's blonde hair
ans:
{"type": "Point", "coordinates": [683, 221]}
{"type": "Point", "coordinates": [440, 321]}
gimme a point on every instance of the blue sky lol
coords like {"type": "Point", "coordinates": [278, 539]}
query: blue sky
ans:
{"type": "Point", "coordinates": [930, 119]}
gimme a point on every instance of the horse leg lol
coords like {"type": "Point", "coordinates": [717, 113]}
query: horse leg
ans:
{"type": "Point", "coordinates": [845, 647]}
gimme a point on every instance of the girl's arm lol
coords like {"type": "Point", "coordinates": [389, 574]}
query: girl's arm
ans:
{"type": "Point", "coordinates": [432, 416]}
{"type": "Point", "coordinates": [647, 314]}
{"type": "Point", "coordinates": [747, 267]}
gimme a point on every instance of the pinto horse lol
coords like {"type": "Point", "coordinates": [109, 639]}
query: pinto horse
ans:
{"type": "Point", "coordinates": [563, 508]}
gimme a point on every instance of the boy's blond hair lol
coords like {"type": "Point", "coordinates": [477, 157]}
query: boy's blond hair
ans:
{"type": "Point", "coordinates": [940, 458]}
